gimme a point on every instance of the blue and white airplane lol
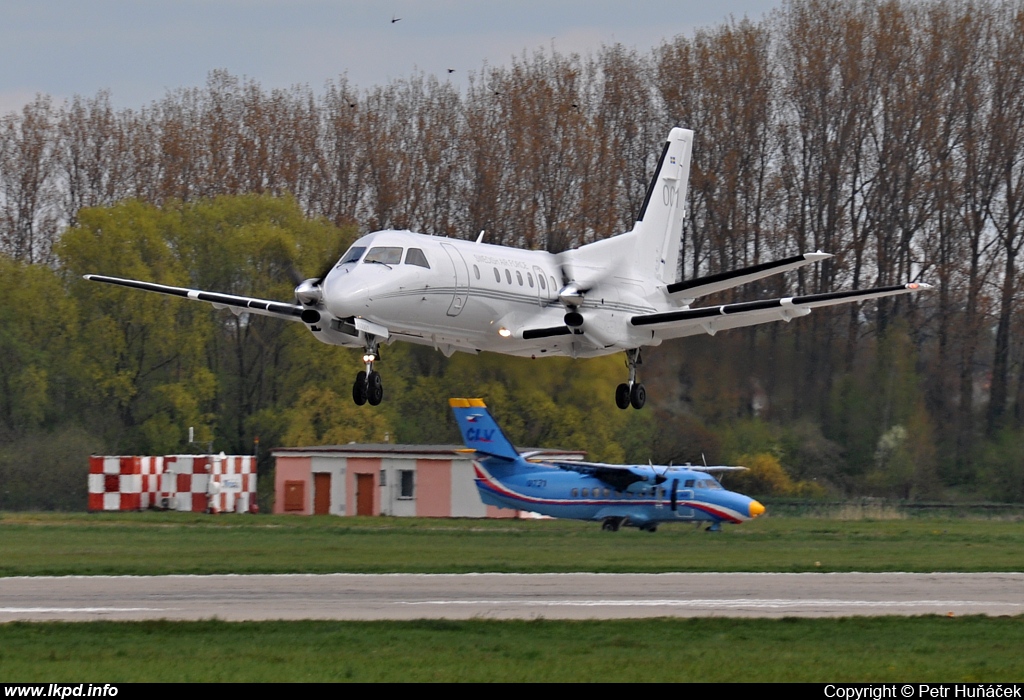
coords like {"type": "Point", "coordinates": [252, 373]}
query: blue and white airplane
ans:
{"type": "Point", "coordinates": [615, 494]}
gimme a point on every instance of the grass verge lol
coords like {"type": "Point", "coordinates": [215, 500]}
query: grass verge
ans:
{"type": "Point", "coordinates": [166, 543]}
{"type": "Point", "coordinates": [921, 649]}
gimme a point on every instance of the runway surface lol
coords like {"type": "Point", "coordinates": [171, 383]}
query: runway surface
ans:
{"type": "Point", "coordinates": [507, 596]}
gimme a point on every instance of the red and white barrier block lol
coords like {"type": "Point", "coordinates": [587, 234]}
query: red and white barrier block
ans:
{"type": "Point", "coordinates": [191, 483]}
{"type": "Point", "coordinates": [123, 482]}
{"type": "Point", "coordinates": [232, 487]}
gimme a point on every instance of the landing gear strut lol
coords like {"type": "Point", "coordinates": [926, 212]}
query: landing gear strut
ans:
{"type": "Point", "coordinates": [631, 393]}
{"type": "Point", "coordinates": [368, 387]}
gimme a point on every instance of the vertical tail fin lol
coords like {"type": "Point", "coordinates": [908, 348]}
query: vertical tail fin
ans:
{"type": "Point", "coordinates": [659, 227]}
{"type": "Point", "coordinates": [479, 431]}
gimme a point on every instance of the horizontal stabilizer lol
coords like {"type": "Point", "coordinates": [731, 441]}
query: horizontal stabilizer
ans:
{"type": "Point", "coordinates": [479, 430]}
{"type": "Point", "coordinates": [291, 312]}
{"type": "Point", "coordinates": [709, 284]}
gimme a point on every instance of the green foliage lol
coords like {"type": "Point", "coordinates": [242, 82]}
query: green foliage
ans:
{"type": "Point", "coordinates": [1003, 470]}
{"type": "Point", "coordinates": [46, 470]}
{"type": "Point", "coordinates": [38, 350]}
{"type": "Point", "coordinates": [880, 416]}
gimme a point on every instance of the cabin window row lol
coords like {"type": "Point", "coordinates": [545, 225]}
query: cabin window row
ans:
{"type": "Point", "coordinates": [607, 493]}
{"type": "Point", "coordinates": [519, 278]}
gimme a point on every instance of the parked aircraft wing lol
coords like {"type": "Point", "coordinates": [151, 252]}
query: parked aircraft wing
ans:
{"type": "Point", "coordinates": [277, 309]}
{"type": "Point", "coordinates": [617, 476]}
{"type": "Point", "coordinates": [709, 284]}
{"type": "Point", "coordinates": [711, 319]}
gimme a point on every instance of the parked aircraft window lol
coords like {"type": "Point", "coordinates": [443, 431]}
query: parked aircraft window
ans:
{"type": "Point", "coordinates": [554, 287]}
{"type": "Point", "coordinates": [415, 256]}
{"type": "Point", "coordinates": [713, 484]}
{"type": "Point", "coordinates": [544, 287]}
{"type": "Point", "coordinates": [586, 493]}
{"type": "Point", "coordinates": [508, 276]}
{"type": "Point", "coordinates": [607, 493]}
{"type": "Point", "coordinates": [406, 477]}
{"type": "Point", "coordinates": [519, 276]}
{"type": "Point", "coordinates": [575, 493]}
{"type": "Point", "coordinates": [353, 254]}
{"type": "Point", "coordinates": [529, 278]}
{"type": "Point", "coordinates": [476, 271]}
{"type": "Point", "coordinates": [389, 255]}
{"type": "Point", "coordinates": [497, 275]}
{"type": "Point", "coordinates": [689, 483]}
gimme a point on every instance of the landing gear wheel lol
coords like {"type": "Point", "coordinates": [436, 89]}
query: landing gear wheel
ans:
{"type": "Point", "coordinates": [637, 395]}
{"type": "Point", "coordinates": [359, 388]}
{"type": "Point", "coordinates": [374, 388]}
{"type": "Point", "coordinates": [622, 396]}
{"type": "Point", "coordinates": [611, 524]}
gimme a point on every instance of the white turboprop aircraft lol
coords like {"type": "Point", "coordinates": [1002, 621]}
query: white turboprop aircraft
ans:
{"type": "Point", "coordinates": [614, 295]}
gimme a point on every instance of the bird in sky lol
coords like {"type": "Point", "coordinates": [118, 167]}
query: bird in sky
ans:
{"type": "Point", "coordinates": [395, 19]}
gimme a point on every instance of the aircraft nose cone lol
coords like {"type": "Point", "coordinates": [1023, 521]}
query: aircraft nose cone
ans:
{"type": "Point", "coordinates": [755, 509]}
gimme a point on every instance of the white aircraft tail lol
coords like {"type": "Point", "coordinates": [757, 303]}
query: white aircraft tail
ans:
{"type": "Point", "coordinates": [658, 229]}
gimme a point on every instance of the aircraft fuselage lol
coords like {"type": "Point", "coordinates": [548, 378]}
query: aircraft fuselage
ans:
{"type": "Point", "coordinates": [461, 295]}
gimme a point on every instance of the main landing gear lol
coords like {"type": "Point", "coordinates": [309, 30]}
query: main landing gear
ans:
{"type": "Point", "coordinates": [368, 387]}
{"type": "Point", "coordinates": [631, 393]}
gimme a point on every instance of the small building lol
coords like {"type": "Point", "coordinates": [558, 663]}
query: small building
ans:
{"type": "Point", "coordinates": [382, 479]}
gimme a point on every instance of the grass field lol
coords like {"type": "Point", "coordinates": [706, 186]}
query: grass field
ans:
{"type": "Point", "coordinates": [165, 543]}
{"type": "Point", "coordinates": [918, 649]}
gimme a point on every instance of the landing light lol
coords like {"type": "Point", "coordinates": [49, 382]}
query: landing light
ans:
{"type": "Point", "coordinates": [504, 332]}
{"type": "Point", "coordinates": [369, 358]}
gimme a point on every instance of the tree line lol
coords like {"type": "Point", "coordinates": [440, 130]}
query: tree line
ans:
{"type": "Point", "coordinates": [890, 134]}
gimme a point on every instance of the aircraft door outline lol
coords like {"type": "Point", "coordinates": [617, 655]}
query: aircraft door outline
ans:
{"type": "Point", "coordinates": [681, 510]}
{"type": "Point", "coordinates": [461, 279]}
{"type": "Point", "coordinates": [539, 274]}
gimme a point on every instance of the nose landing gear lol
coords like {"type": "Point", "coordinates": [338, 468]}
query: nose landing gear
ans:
{"type": "Point", "coordinates": [369, 387]}
{"type": "Point", "coordinates": [631, 393]}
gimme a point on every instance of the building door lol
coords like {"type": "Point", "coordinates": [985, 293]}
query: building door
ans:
{"type": "Point", "coordinates": [321, 493]}
{"type": "Point", "coordinates": [294, 496]}
{"type": "Point", "coordinates": [364, 494]}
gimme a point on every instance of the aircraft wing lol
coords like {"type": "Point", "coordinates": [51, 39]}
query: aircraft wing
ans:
{"type": "Point", "coordinates": [277, 309]}
{"type": "Point", "coordinates": [711, 319]}
{"type": "Point", "coordinates": [617, 476]}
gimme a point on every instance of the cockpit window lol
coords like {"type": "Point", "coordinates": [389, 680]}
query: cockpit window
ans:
{"type": "Point", "coordinates": [353, 255]}
{"type": "Point", "coordinates": [384, 254]}
{"type": "Point", "coordinates": [415, 256]}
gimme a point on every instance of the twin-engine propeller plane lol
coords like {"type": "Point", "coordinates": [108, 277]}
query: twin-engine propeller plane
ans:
{"type": "Point", "coordinates": [615, 495]}
{"type": "Point", "coordinates": [613, 295]}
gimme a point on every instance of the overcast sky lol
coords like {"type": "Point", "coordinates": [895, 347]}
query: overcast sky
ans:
{"type": "Point", "coordinates": [140, 49]}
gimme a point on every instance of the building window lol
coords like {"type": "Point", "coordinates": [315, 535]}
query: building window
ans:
{"type": "Point", "coordinates": [407, 483]}
{"type": "Point", "coordinates": [383, 477]}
